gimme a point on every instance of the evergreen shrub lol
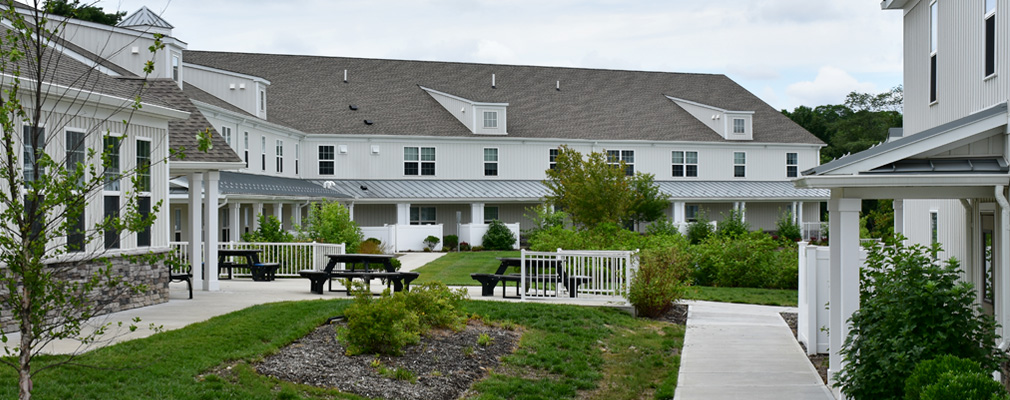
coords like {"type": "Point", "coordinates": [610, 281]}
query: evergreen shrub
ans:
{"type": "Point", "coordinates": [498, 237]}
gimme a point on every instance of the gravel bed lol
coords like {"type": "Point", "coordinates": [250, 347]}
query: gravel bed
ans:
{"type": "Point", "coordinates": [445, 363]}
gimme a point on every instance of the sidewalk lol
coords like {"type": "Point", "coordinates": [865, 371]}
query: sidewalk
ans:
{"type": "Point", "coordinates": [742, 351]}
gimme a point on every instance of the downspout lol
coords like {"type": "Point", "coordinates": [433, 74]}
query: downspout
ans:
{"type": "Point", "coordinates": [1004, 247]}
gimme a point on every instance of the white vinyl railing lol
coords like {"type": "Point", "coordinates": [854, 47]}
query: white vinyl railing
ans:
{"type": "Point", "coordinates": [292, 256]}
{"type": "Point", "coordinates": [600, 273]}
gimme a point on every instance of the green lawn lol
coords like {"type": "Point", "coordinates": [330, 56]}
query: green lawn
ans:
{"type": "Point", "coordinates": [772, 297]}
{"type": "Point", "coordinates": [565, 352]}
{"type": "Point", "coordinates": [454, 269]}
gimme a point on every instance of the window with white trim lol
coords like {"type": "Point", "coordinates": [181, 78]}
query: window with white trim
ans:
{"type": "Point", "coordinates": [144, 188]}
{"type": "Point", "coordinates": [75, 163]}
{"type": "Point", "coordinates": [934, 18]}
{"type": "Point", "coordinates": [225, 225]}
{"type": "Point", "coordinates": [263, 100]}
{"type": "Point", "coordinates": [297, 157]}
{"type": "Point", "coordinates": [419, 161]}
{"type": "Point", "coordinates": [245, 142]}
{"type": "Point", "coordinates": [226, 133]}
{"type": "Point", "coordinates": [490, 214]}
{"type": "Point", "coordinates": [178, 224]}
{"type": "Point", "coordinates": [34, 146]}
{"type": "Point", "coordinates": [491, 119]}
{"type": "Point", "coordinates": [934, 227]}
{"type": "Point", "coordinates": [990, 37]}
{"type": "Point", "coordinates": [553, 159]}
{"type": "Point", "coordinates": [739, 125]}
{"type": "Point", "coordinates": [422, 215]}
{"type": "Point", "coordinates": [175, 68]}
{"type": "Point", "coordinates": [691, 212]}
{"type": "Point", "coordinates": [490, 162]}
{"type": "Point", "coordinates": [111, 190]}
{"type": "Point", "coordinates": [739, 164]}
{"type": "Point", "coordinates": [615, 157]}
{"type": "Point", "coordinates": [280, 156]}
{"type": "Point", "coordinates": [792, 165]}
{"type": "Point", "coordinates": [326, 160]}
{"type": "Point", "coordinates": [685, 164]}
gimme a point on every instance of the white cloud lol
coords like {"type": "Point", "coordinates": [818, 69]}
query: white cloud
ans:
{"type": "Point", "coordinates": [829, 87]}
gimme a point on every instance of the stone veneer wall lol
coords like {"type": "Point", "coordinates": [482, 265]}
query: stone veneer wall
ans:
{"type": "Point", "coordinates": [155, 276]}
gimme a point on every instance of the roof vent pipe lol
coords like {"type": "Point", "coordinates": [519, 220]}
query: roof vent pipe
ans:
{"type": "Point", "coordinates": [558, 87]}
{"type": "Point", "coordinates": [345, 76]}
{"type": "Point", "coordinates": [492, 81]}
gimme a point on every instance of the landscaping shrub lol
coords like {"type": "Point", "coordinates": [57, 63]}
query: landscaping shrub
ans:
{"type": "Point", "coordinates": [387, 324]}
{"type": "Point", "coordinates": [437, 306]}
{"type": "Point", "coordinates": [788, 230]}
{"type": "Point", "coordinates": [370, 246]}
{"type": "Point", "coordinates": [477, 248]}
{"type": "Point", "coordinates": [464, 246]}
{"type": "Point", "coordinates": [330, 222]}
{"type": "Point", "coordinates": [431, 241]}
{"type": "Point", "coordinates": [660, 281]}
{"type": "Point", "coordinates": [929, 372]}
{"type": "Point", "coordinates": [749, 260]}
{"type": "Point", "coordinates": [965, 386]}
{"type": "Point", "coordinates": [499, 237]}
{"type": "Point", "coordinates": [911, 307]}
{"type": "Point", "coordinates": [269, 231]}
{"type": "Point", "coordinates": [732, 225]}
{"type": "Point", "coordinates": [700, 229]}
{"type": "Point", "coordinates": [384, 325]}
{"type": "Point", "coordinates": [543, 218]}
{"type": "Point", "coordinates": [450, 241]}
{"type": "Point", "coordinates": [663, 227]}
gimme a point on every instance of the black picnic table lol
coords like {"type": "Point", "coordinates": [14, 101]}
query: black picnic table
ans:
{"type": "Point", "coordinates": [534, 274]}
{"type": "Point", "coordinates": [399, 280]}
{"type": "Point", "coordinates": [260, 271]}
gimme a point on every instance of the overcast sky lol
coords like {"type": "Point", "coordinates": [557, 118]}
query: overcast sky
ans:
{"type": "Point", "coordinates": [787, 52]}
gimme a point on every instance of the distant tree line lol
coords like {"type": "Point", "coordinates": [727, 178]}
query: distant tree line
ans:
{"type": "Point", "coordinates": [858, 124]}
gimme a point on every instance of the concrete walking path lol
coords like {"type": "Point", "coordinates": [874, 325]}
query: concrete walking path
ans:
{"type": "Point", "coordinates": [742, 351]}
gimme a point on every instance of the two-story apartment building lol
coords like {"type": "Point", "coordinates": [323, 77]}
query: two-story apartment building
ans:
{"type": "Point", "coordinates": [417, 143]}
{"type": "Point", "coordinates": [948, 170]}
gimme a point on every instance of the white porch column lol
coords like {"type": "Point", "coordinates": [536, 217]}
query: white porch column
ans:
{"type": "Point", "coordinates": [210, 249]}
{"type": "Point", "coordinates": [799, 214]}
{"type": "Point", "coordinates": [233, 221]}
{"type": "Point", "coordinates": [743, 211]}
{"type": "Point", "coordinates": [279, 213]}
{"type": "Point", "coordinates": [257, 211]}
{"type": "Point", "coordinates": [899, 216]}
{"type": "Point", "coordinates": [350, 211]}
{"type": "Point", "coordinates": [844, 276]}
{"type": "Point", "coordinates": [1003, 259]}
{"type": "Point", "coordinates": [679, 213]}
{"type": "Point", "coordinates": [296, 215]}
{"type": "Point", "coordinates": [476, 213]}
{"type": "Point", "coordinates": [196, 227]}
{"type": "Point", "coordinates": [403, 213]}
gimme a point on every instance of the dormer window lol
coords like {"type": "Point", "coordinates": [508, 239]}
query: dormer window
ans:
{"type": "Point", "coordinates": [263, 101]}
{"type": "Point", "coordinates": [739, 125]}
{"type": "Point", "coordinates": [175, 68]}
{"type": "Point", "coordinates": [490, 119]}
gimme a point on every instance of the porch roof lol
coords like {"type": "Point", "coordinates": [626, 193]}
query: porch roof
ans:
{"type": "Point", "coordinates": [239, 185]}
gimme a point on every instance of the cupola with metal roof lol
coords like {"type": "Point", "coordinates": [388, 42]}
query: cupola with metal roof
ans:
{"type": "Point", "coordinates": [146, 20]}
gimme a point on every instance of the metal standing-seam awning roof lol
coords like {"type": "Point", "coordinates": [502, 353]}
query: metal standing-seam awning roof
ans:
{"type": "Point", "coordinates": [742, 191]}
{"type": "Point", "coordinates": [238, 184]}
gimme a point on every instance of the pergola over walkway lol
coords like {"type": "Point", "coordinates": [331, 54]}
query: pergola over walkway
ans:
{"type": "Point", "coordinates": [962, 160]}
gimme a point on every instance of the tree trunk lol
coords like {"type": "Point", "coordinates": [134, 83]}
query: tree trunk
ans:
{"type": "Point", "coordinates": [25, 370]}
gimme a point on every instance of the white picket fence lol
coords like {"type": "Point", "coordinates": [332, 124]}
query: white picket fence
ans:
{"type": "Point", "coordinates": [604, 273]}
{"type": "Point", "coordinates": [292, 256]}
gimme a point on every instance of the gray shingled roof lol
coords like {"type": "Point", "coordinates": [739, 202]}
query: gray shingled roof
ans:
{"type": "Point", "coordinates": [534, 190]}
{"type": "Point", "coordinates": [308, 93]}
{"type": "Point", "coordinates": [182, 133]}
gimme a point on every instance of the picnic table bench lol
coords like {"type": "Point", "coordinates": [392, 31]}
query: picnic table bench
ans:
{"type": "Point", "coordinates": [260, 271]}
{"type": "Point", "coordinates": [534, 269]}
{"type": "Point", "coordinates": [400, 281]}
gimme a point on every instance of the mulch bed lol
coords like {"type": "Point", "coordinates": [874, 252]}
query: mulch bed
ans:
{"type": "Point", "coordinates": [445, 363]}
{"type": "Point", "coordinates": [819, 361]}
{"type": "Point", "coordinates": [676, 315]}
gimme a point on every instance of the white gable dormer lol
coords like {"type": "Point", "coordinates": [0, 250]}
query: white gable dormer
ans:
{"type": "Point", "coordinates": [479, 118]}
{"type": "Point", "coordinates": [731, 125]}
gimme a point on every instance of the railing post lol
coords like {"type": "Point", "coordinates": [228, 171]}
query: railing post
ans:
{"type": "Point", "coordinates": [522, 275]}
{"type": "Point", "coordinates": [315, 257]}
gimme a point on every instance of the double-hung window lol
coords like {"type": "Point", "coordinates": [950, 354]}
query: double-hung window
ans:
{"type": "Point", "coordinates": [75, 166]}
{"type": "Point", "coordinates": [739, 164]}
{"type": "Point", "coordinates": [34, 147]}
{"type": "Point", "coordinates": [691, 212]}
{"type": "Point", "coordinates": [739, 125]}
{"type": "Point", "coordinates": [491, 119]}
{"type": "Point", "coordinates": [298, 151]}
{"type": "Point", "coordinates": [280, 156]}
{"type": "Point", "coordinates": [685, 164]}
{"type": "Point", "coordinates": [263, 153]}
{"type": "Point", "coordinates": [615, 157]}
{"type": "Point", "coordinates": [553, 159]}
{"type": "Point", "coordinates": [326, 157]}
{"type": "Point", "coordinates": [990, 37]}
{"type": "Point", "coordinates": [112, 190]}
{"type": "Point", "coordinates": [791, 165]}
{"type": "Point", "coordinates": [490, 214]}
{"type": "Point", "coordinates": [245, 142]}
{"type": "Point", "coordinates": [490, 162]}
{"type": "Point", "coordinates": [422, 215]}
{"type": "Point", "coordinates": [419, 161]}
{"type": "Point", "coordinates": [226, 133]}
{"type": "Point", "coordinates": [934, 19]}
{"type": "Point", "coordinates": [144, 189]}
